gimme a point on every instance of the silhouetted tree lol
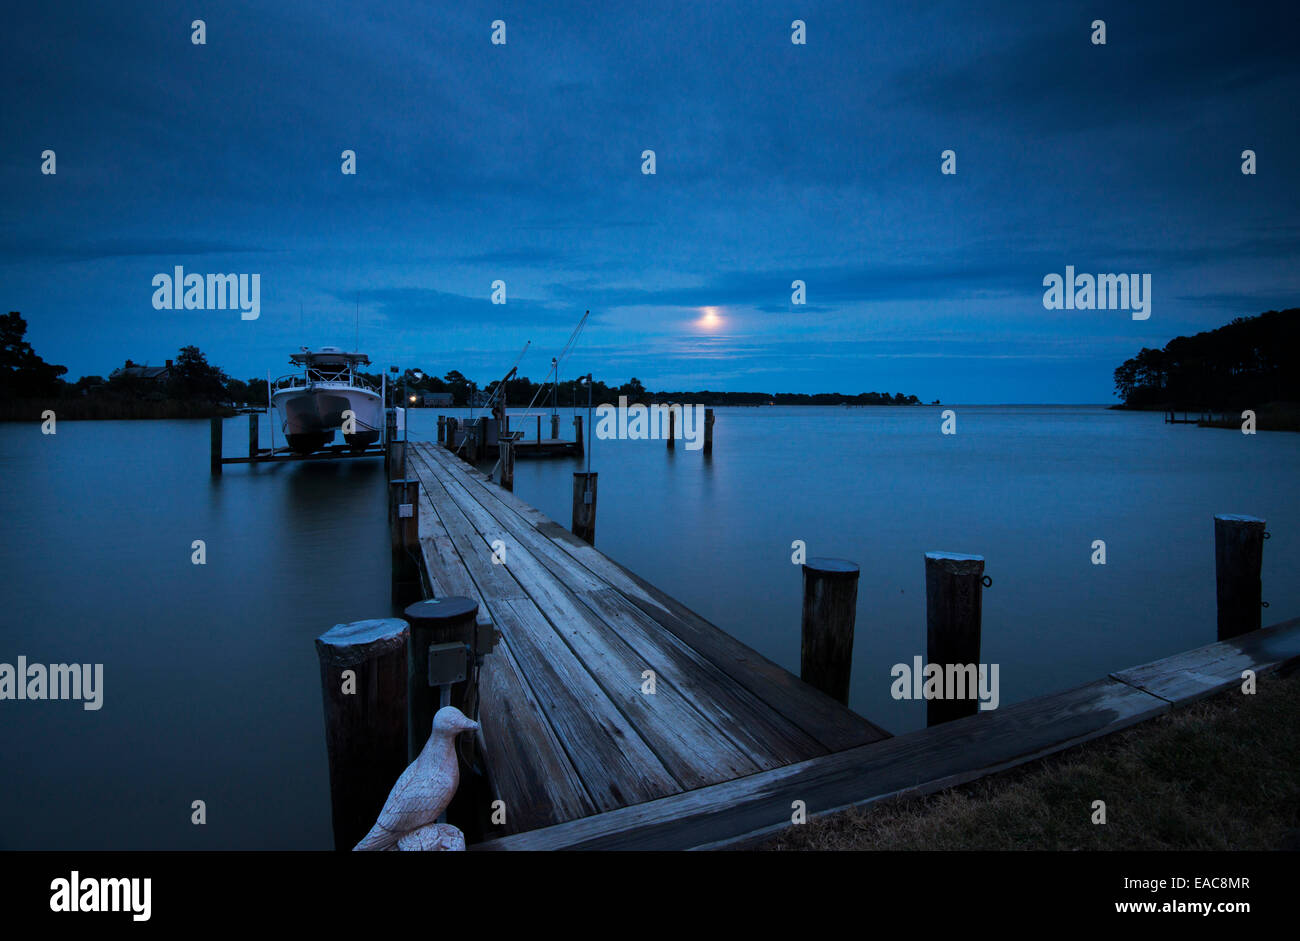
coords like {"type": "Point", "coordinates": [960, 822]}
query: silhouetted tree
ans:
{"type": "Point", "coordinates": [23, 374]}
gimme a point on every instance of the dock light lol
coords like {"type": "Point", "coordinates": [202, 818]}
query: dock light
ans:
{"type": "Point", "coordinates": [412, 398]}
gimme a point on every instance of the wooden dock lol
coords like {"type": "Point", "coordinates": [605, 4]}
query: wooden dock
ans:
{"type": "Point", "coordinates": [584, 756]}
{"type": "Point", "coordinates": [568, 728]}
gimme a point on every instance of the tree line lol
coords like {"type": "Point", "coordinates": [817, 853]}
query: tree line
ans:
{"type": "Point", "coordinates": [1248, 362]}
{"type": "Point", "coordinates": [192, 387]}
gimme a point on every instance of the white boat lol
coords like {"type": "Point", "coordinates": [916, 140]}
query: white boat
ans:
{"type": "Point", "coordinates": [312, 402]}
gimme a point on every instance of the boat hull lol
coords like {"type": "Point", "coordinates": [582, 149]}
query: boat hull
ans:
{"type": "Point", "coordinates": [310, 417]}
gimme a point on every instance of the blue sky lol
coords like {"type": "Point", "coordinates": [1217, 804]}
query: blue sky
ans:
{"type": "Point", "coordinates": [775, 162]}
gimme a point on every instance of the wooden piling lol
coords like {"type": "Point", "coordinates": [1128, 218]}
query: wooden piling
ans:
{"type": "Point", "coordinates": [708, 431]}
{"type": "Point", "coordinates": [396, 459]}
{"type": "Point", "coordinates": [830, 607]}
{"type": "Point", "coordinates": [473, 441]}
{"type": "Point", "coordinates": [1238, 561]}
{"type": "Point", "coordinates": [954, 593]}
{"type": "Point", "coordinates": [577, 434]}
{"type": "Point", "coordinates": [555, 426]}
{"type": "Point", "coordinates": [584, 506]}
{"type": "Point", "coordinates": [539, 428]}
{"type": "Point", "coordinates": [672, 428]}
{"type": "Point", "coordinates": [390, 435]}
{"type": "Point", "coordinates": [404, 526]}
{"type": "Point", "coordinates": [216, 447]}
{"type": "Point", "coordinates": [442, 429]}
{"type": "Point", "coordinates": [452, 425]}
{"type": "Point", "coordinates": [433, 622]}
{"type": "Point", "coordinates": [363, 677]}
{"type": "Point", "coordinates": [254, 446]}
{"type": "Point", "coordinates": [507, 463]}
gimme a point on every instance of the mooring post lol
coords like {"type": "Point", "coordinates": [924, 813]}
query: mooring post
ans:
{"type": "Point", "coordinates": [1238, 561]}
{"type": "Point", "coordinates": [577, 434]}
{"type": "Point", "coordinates": [672, 428]}
{"type": "Point", "coordinates": [216, 447]}
{"type": "Point", "coordinates": [539, 429]}
{"type": "Point", "coordinates": [472, 441]}
{"type": "Point", "coordinates": [404, 500]}
{"type": "Point", "coordinates": [253, 444]}
{"type": "Point", "coordinates": [954, 593]}
{"type": "Point", "coordinates": [363, 677]}
{"type": "Point", "coordinates": [708, 431]}
{"type": "Point", "coordinates": [397, 459]}
{"type": "Point", "coordinates": [442, 429]}
{"type": "Point", "coordinates": [390, 435]}
{"type": "Point", "coordinates": [447, 627]}
{"type": "Point", "coordinates": [830, 607]}
{"type": "Point", "coordinates": [508, 462]}
{"type": "Point", "coordinates": [584, 506]}
{"type": "Point", "coordinates": [555, 426]}
{"type": "Point", "coordinates": [452, 425]}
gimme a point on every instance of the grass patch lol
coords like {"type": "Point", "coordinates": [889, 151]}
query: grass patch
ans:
{"type": "Point", "coordinates": [1223, 774]}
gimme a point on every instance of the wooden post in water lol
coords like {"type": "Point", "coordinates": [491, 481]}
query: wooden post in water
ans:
{"type": "Point", "coordinates": [396, 459]}
{"type": "Point", "coordinates": [1238, 560]}
{"type": "Point", "coordinates": [539, 429]}
{"type": "Point", "coordinates": [390, 435]}
{"type": "Point", "coordinates": [452, 425]}
{"type": "Point", "coordinates": [473, 441]}
{"type": "Point", "coordinates": [442, 428]}
{"type": "Point", "coordinates": [254, 445]}
{"type": "Point", "coordinates": [363, 677]}
{"type": "Point", "coordinates": [708, 431]}
{"type": "Point", "coordinates": [954, 593]}
{"type": "Point", "coordinates": [433, 622]}
{"type": "Point", "coordinates": [507, 462]}
{"type": "Point", "coordinates": [555, 426]}
{"type": "Point", "coordinates": [672, 428]}
{"type": "Point", "coordinates": [830, 607]}
{"type": "Point", "coordinates": [404, 523]}
{"type": "Point", "coordinates": [584, 506]}
{"type": "Point", "coordinates": [216, 447]}
{"type": "Point", "coordinates": [577, 434]}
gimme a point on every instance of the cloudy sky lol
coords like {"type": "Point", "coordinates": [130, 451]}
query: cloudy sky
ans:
{"type": "Point", "coordinates": [522, 162]}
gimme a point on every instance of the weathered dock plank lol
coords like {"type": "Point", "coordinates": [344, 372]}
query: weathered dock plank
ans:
{"type": "Point", "coordinates": [614, 763]}
{"type": "Point", "coordinates": [766, 737]}
{"type": "Point", "coordinates": [812, 712]}
{"type": "Point", "coordinates": [540, 785]}
{"type": "Point", "coordinates": [578, 634]}
{"type": "Point", "coordinates": [751, 809]}
{"type": "Point", "coordinates": [1195, 674]}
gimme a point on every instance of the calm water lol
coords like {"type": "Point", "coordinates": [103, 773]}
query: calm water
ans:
{"type": "Point", "coordinates": [211, 682]}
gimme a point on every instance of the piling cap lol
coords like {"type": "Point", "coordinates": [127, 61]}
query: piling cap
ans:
{"type": "Point", "coordinates": [1235, 518]}
{"type": "Point", "coordinates": [831, 568]}
{"type": "Point", "coordinates": [451, 608]}
{"type": "Point", "coordinates": [346, 645]}
{"type": "Point", "coordinates": [956, 563]}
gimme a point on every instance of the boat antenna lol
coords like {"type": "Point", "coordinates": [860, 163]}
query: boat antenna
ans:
{"type": "Point", "coordinates": [356, 339]}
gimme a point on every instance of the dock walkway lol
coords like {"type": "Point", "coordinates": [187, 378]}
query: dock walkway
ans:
{"type": "Point", "coordinates": [568, 730]}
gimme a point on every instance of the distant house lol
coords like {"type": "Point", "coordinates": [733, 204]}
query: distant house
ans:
{"type": "Point", "coordinates": [131, 370]}
{"type": "Point", "coordinates": [437, 400]}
